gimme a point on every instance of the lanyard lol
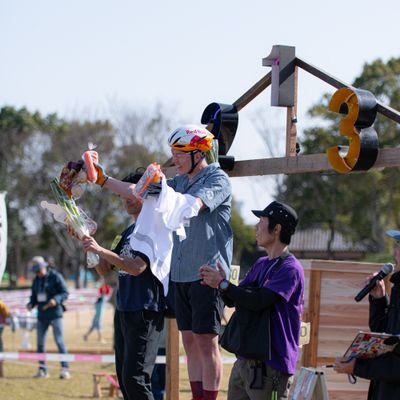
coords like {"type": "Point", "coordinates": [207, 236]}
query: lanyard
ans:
{"type": "Point", "coordinates": [42, 284]}
{"type": "Point", "coordinates": [268, 273]}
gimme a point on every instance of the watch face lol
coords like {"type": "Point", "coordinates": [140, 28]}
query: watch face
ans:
{"type": "Point", "coordinates": [224, 284]}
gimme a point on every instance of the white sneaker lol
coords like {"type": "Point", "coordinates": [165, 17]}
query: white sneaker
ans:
{"type": "Point", "coordinates": [64, 374]}
{"type": "Point", "coordinates": [41, 374]}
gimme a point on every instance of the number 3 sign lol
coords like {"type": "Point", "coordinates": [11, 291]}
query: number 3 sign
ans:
{"type": "Point", "coordinates": [360, 107]}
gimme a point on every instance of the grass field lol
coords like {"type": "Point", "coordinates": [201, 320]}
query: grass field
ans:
{"type": "Point", "coordinates": [18, 383]}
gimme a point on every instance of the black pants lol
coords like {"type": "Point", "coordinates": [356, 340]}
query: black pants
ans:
{"type": "Point", "coordinates": [137, 335]}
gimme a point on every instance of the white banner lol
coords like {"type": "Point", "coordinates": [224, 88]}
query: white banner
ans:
{"type": "Point", "coordinates": [3, 233]}
{"type": "Point", "coordinates": [100, 358]}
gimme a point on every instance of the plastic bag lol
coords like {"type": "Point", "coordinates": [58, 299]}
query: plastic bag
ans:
{"type": "Point", "coordinates": [60, 215]}
{"type": "Point", "coordinates": [91, 157]}
{"type": "Point", "coordinates": [71, 185]}
{"type": "Point", "coordinates": [76, 174]}
{"type": "Point", "coordinates": [151, 175]}
{"type": "Point", "coordinates": [73, 178]}
{"type": "Point", "coordinates": [78, 219]}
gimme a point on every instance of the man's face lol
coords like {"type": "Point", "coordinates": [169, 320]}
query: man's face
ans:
{"type": "Point", "coordinates": [41, 272]}
{"type": "Point", "coordinates": [182, 161]}
{"type": "Point", "coordinates": [263, 236]}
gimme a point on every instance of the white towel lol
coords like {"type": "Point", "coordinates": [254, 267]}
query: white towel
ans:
{"type": "Point", "coordinates": [160, 216]}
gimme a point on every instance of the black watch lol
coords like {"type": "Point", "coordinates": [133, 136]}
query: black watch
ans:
{"type": "Point", "coordinates": [223, 285]}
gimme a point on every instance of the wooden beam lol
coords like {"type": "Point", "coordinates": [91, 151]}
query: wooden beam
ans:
{"type": "Point", "coordinates": [282, 165]}
{"type": "Point", "coordinates": [388, 112]}
{"type": "Point", "coordinates": [387, 158]}
{"type": "Point", "coordinates": [383, 109]}
{"type": "Point", "coordinates": [303, 163]}
{"type": "Point", "coordinates": [320, 74]}
{"type": "Point", "coordinates": [253, 92]}
{"type": "Point", "coordinates": [344, 267]}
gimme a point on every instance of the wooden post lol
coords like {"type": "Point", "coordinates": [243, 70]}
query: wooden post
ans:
{"type": "Point", "coordinates": [172, 360]}
{"type": "Point", "coordinates": [97, 385]}
{"type": "Point", "coordinates": [311, 350]}
{"type": "Point", "coordinates": [291, 122]}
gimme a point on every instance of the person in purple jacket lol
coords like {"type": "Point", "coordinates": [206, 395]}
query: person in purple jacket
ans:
{"type": "Point", "coordinates": [281, 279]}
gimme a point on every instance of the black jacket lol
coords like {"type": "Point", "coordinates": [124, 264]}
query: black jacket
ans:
{"type": "Point", "coordinates": [383, 371]}
{"type": "Point", "coordinates": [53, 285]}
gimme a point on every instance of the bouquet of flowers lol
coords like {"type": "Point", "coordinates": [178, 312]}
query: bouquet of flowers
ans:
{"type": "Point", "coordinates": [67, 212]}
{"type": "Point", "coordinates": [76, 174]}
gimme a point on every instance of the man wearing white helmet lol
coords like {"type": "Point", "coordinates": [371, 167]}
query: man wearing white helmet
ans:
{"type": "Point", "coordinates": [209, 240]}
{"type": "Point", "coordinates": [209, 237]}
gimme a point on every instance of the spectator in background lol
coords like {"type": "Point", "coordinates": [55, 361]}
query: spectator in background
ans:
{"type": "Point", "coordinates": [49, 291]}
{"type": "Point", "coordinates": [105, 292]}
{"type": "Point", "coordinates": [51, 262]}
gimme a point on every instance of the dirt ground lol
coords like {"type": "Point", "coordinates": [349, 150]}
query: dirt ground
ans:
{"type": "Point", "coordinates": [76, 322]}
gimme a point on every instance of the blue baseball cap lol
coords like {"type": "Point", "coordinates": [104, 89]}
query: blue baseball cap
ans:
{"type": "Point", "coordinates": [37, 263]}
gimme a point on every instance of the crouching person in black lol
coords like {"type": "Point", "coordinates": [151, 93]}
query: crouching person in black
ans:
{"type": "Point", "coordinates": [274, 290]}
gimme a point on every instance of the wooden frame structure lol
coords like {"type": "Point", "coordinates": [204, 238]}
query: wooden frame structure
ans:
{"type": "Point", "coordinates": [291, 163]}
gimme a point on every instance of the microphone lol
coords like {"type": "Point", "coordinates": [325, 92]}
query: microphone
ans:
{"type": "Point", "coordinates": [386, 269]}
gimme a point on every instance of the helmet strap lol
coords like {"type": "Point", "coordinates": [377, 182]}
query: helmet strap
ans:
{"type": "Point", "coordinates": [194, 165]}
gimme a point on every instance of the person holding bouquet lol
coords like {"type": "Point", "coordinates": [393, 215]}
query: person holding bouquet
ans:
{"type": "Point", "coordinates": [140, 304]}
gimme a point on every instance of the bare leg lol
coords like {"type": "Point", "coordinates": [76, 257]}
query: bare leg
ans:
{"type": "Point", "coordinates": [204, 359]}
{"type": "Point", "coordinates": [193, 356]}
{"type": "Point", "coordinates": [211, 360]}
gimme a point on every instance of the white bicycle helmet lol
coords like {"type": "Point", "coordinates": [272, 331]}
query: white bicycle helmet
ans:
{"type": "Point", "coordinates": [191, 138]}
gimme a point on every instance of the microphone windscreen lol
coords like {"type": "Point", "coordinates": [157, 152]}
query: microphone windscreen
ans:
{"type": "Point", "coordinates": [388, 268]}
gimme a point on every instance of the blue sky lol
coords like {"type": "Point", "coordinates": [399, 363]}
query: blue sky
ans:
{"type": "Point", "coordinates": [80, 57]}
